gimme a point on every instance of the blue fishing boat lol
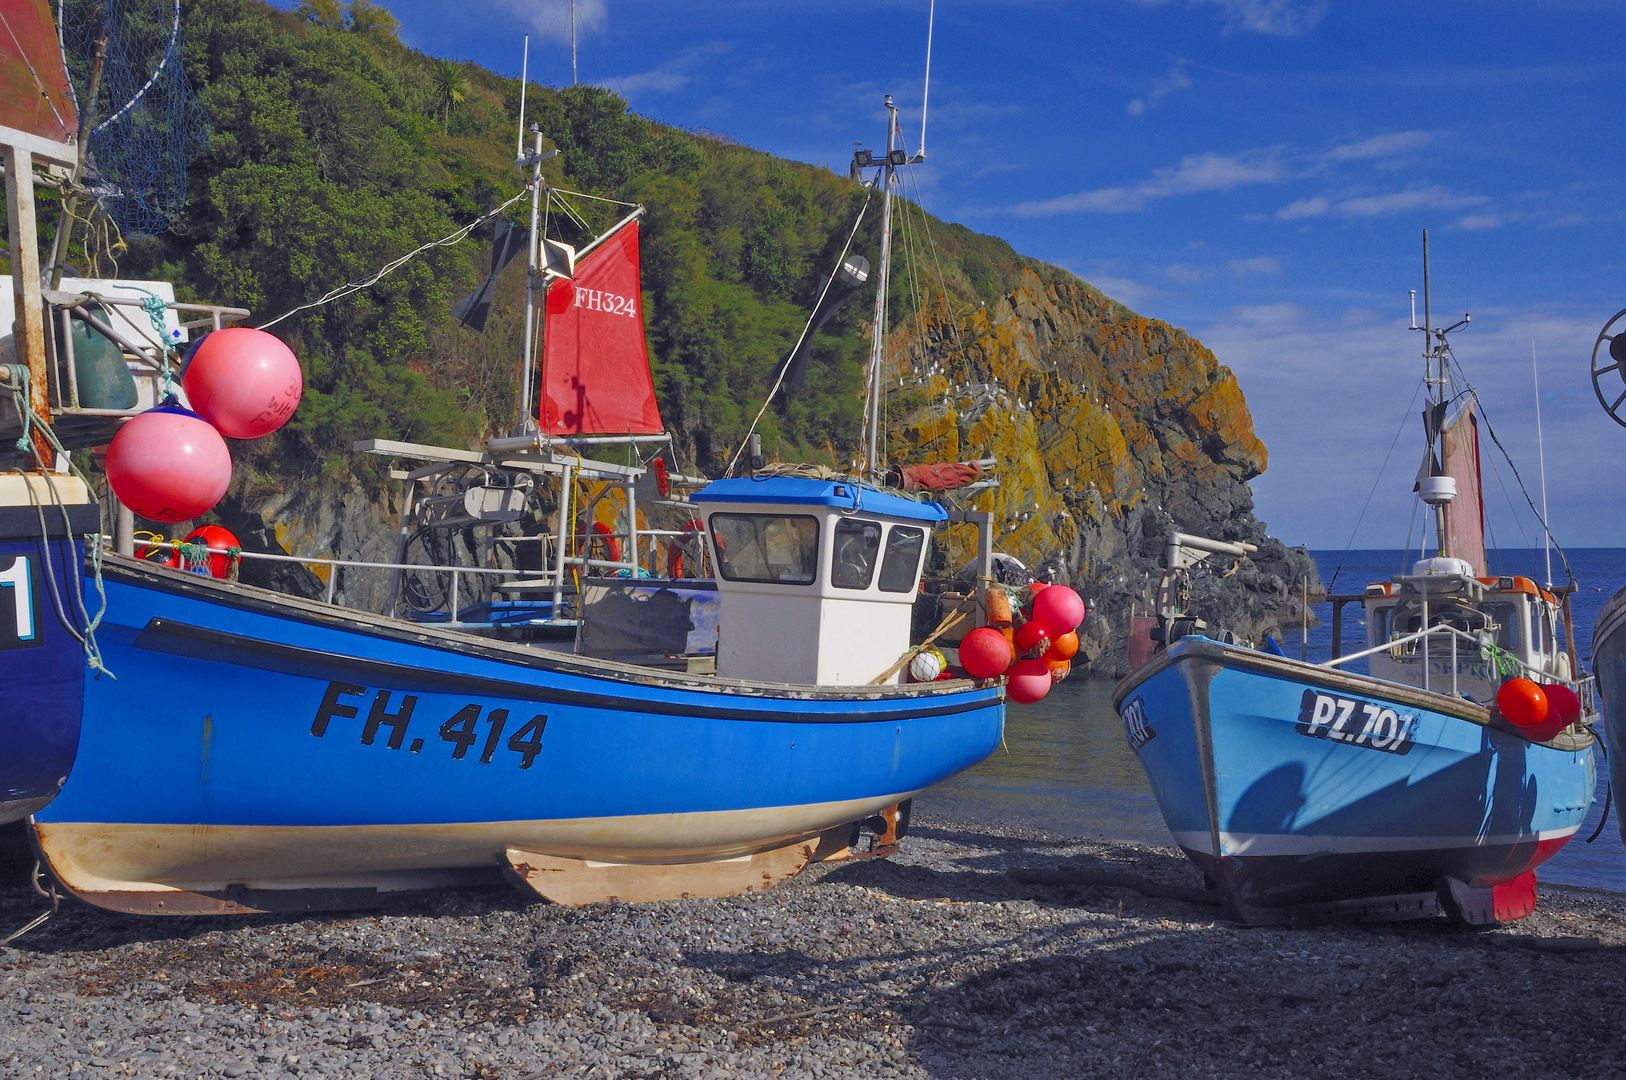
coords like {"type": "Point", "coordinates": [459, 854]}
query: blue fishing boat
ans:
{"type": "Point", "coordinates": [1303, 791]}
{"type": "Point", "coordinates": [262, 752]}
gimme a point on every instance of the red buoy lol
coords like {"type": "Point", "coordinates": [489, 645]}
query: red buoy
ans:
{"type": "Point", "coordinates": [1032, 635]}
{"type": "Point", "coordinates": [1563, 709]}
{"type": "Point", "coordinates": [217, 538]}
{"type": "Point", "coordinates": [245, 382]}
{"type": "Point", "coordinates": [1029, 682]}
{"type": "Point", "coordinates": [1522, 702]}
{"type": "Point", "coordinates": [1060, 609]}
{"type": "Point", "coordinates": [168, 464]}
{"type": "Point", "coordinates": [984, 653]}
{"type": "Point", "coordinates": [1064, 647]}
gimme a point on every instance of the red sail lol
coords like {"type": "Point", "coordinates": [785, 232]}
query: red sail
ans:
{"type": "Point", "coordinates": [1465, 516]}
{"type": "Point", "coordinates": [34, 93]}
{"type": "Point", "coordinates": [595, 363]}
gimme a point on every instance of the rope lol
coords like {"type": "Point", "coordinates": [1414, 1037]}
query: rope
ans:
{"type": "Point", "coordinates": [1377, 480]}
{"type": "Point", "coordinates": [807, 329]}
{"type": "Point", "coordinates": [390, 267]}
{"type": "Point", "coordinates": [15, 378]}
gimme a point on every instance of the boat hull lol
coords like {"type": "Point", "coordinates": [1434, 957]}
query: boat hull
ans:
{"type": "Point", "coordinates": [260, 743]}
{"type": "Point", "coordinates": [1609, 664]}
{"type": "Point", "coordinates": [1297, 788]}
{"type": "Point", "coordinates": [42, 663]}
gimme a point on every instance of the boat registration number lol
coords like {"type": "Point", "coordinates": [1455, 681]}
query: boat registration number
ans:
{"type": "Point", "coordinates": [461, 729]}
{"type": "Point", "coordinates": [1358, 723]}
{"type": "Point", "coordinates": [19, 605]}
{"type": "Point", "coordinates": [1136, 729]}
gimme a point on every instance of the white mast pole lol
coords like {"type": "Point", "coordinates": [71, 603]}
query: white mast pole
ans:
{"type": "Point", "coordinates": [872, 451]}
{"type": "Point", "coordinates": [925, 95]}
{"type": "Point", "coordinates": [532, 243]}
{"type": "Point", "coordinates": [572, 42]}
{"type": "Point", "coordinates": [524, 69]}
{"type": "Point", "coordinates": [1541, 455]}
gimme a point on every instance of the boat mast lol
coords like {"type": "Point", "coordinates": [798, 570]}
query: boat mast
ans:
{"type": "Point", "coordinates": [527, 421]}
{"type": "Point", "coordinates": [872, 447]}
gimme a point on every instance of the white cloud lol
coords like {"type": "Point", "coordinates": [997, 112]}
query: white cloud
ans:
{"type": "Point", "coordinates": [1278, 18]}
{"type": "Point", "coordinates": [1297, 365]}
{"type": "Point", "coordinates": [675, 74]}
{"type": "Point", "coordinates": [1379, 146]}
{"type": "Point", "coordinates": [550, 19]}
{"type": "Point", "coordinates": [1187, 274]}
{"type": "Point", "coordinates": [1385, 205]}
{"type": "Point", "coordinates": [1195, 173]}
{"type": "Point", "coordinates": [1175, 80]}
{"type": "Point", "coordinates": [1474, 222]}
{"type": "Point", "coordinates": [1129, 293]}
{"type": "Point", "coordinates": [1260, 264]}
{"type": "Point", "coordinates": [1303, 208]}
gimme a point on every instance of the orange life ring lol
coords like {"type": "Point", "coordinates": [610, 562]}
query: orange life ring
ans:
{"type": "Point", "coordinates": [600, 532]}
{"type": "Point", "coordinates": [675, 546]}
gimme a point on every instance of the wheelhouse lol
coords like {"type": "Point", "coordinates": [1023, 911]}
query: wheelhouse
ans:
{"type": "Point", "coordinates": [817, 579]}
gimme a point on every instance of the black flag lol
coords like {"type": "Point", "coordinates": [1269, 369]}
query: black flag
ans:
{"type": "Point", "coordinates": [507, 241]}
{"type": "Point", "coordinates": [852, 273]}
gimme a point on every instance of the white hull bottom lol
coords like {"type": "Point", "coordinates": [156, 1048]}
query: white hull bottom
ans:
{"type": "Point", "coordinates": [175, 868]}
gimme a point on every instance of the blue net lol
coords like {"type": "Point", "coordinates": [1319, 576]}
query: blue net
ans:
{"type": "Point", "coordinates": [147, 122]}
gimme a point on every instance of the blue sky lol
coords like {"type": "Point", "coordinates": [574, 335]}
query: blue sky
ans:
{"type": "Point", "coordinates": [1256, 171]}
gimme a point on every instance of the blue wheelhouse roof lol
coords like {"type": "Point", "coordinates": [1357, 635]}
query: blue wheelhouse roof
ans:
{"type": "Point", "coordinates": [797, 491]}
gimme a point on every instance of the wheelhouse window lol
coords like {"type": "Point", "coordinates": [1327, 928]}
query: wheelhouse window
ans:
{"type": "Point", "coordinates": [1511, 621]}
{"type": "Point", "coordinates": [771, 548]}
{"type": "Point", "coordinates": [902, 561]}
{"type": "Point", "coordinates": [852, 560]}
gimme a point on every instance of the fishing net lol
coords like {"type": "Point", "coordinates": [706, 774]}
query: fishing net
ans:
{"type": "Point", "coordinates": [147, 121]}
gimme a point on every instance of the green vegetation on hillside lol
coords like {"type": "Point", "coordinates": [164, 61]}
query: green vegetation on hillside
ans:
{"type": "Point", "coordinates": [335, 149]}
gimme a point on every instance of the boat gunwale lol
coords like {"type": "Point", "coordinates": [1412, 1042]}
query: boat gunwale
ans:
{"type": "Point", "coordinates": [1192, 648]}
{"type": "Point", "coordinates": [139, 573]}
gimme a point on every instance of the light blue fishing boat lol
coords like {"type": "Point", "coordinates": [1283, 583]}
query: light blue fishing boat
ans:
{"type": "Point", "coordinates": [1304, 791]}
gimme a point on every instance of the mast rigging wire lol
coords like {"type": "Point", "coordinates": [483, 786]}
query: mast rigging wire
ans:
{"type": "Point", "coordinates": [807, 329]}
{"type": "Point", "coordinates": [1406, 416]}
{"type": "Point", "coordinates": [390, 267]}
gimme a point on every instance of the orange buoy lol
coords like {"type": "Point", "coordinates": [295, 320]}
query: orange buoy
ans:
{"type": "Point", "coordinates": [1059, 669]}
{"type": "Point", "coordinates": [1064, 647]}
{"type": "Point", "coordinates": [997, 604]}
{"type": "Point", "coordinates": [984, 653]}
{"type": "Point", "coordinates": [1522, 702]}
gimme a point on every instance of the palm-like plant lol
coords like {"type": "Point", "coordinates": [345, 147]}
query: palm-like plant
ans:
{"type": "Point", "coordinates": [450, 88]}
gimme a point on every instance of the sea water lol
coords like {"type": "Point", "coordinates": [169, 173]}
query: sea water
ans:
{"type": "Point", "coordinates": [1065, 767]}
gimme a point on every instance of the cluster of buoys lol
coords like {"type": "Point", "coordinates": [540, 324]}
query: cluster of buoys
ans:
{"type": "Point", "coordinates": [171, 463]}
{"type": "Point", "coordinates": [218, 539]}
{"type": "Point", "coordinates": [1033, 653]}
{"type": "Point", "coordinates": [1539, 712]}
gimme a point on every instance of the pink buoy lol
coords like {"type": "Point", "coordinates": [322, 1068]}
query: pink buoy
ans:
{"type": "Point", "coordinates": [1060, 609]}
{"type": "Point", "coordinates": [1029, 681]}
{"type": "Point", "coordinates": [168, 464]}
{"type": "Point", "coordinates": [245, 382]}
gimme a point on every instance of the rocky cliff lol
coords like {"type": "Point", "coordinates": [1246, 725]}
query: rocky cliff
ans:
{"type": "Point", "coordinates": [1108, 429]}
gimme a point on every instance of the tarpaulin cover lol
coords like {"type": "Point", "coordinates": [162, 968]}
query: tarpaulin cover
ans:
{"type": "Point", "coordinates": [936, 477]}
{"type": "Point", "coordinates": [29, 41]}
{"type": "Point", "coordinates": [595, 363]}
{"type": "Point", "coordinates": [1465, 515]}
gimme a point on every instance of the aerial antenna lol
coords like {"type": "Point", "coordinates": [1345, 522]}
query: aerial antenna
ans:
{"type": "Point", "coordinates": [925, 95]}
{"type": "Point", "coordinates": [524, 67]}
{"type": "Point", "coordinates": [573, 42]}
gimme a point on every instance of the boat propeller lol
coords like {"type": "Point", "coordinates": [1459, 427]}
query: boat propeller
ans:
{"type": "Point", "coordinates": [1611, 359]}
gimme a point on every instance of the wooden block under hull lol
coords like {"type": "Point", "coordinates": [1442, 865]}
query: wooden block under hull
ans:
{"type": "Point", "coordinates": [577, 882]}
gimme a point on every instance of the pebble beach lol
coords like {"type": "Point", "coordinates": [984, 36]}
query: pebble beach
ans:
{"type": "Point", "coordinates": [941, 961]}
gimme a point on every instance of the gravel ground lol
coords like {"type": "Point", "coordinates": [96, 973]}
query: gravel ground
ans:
{"type": "Point", "coordinates": [934, 963]}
